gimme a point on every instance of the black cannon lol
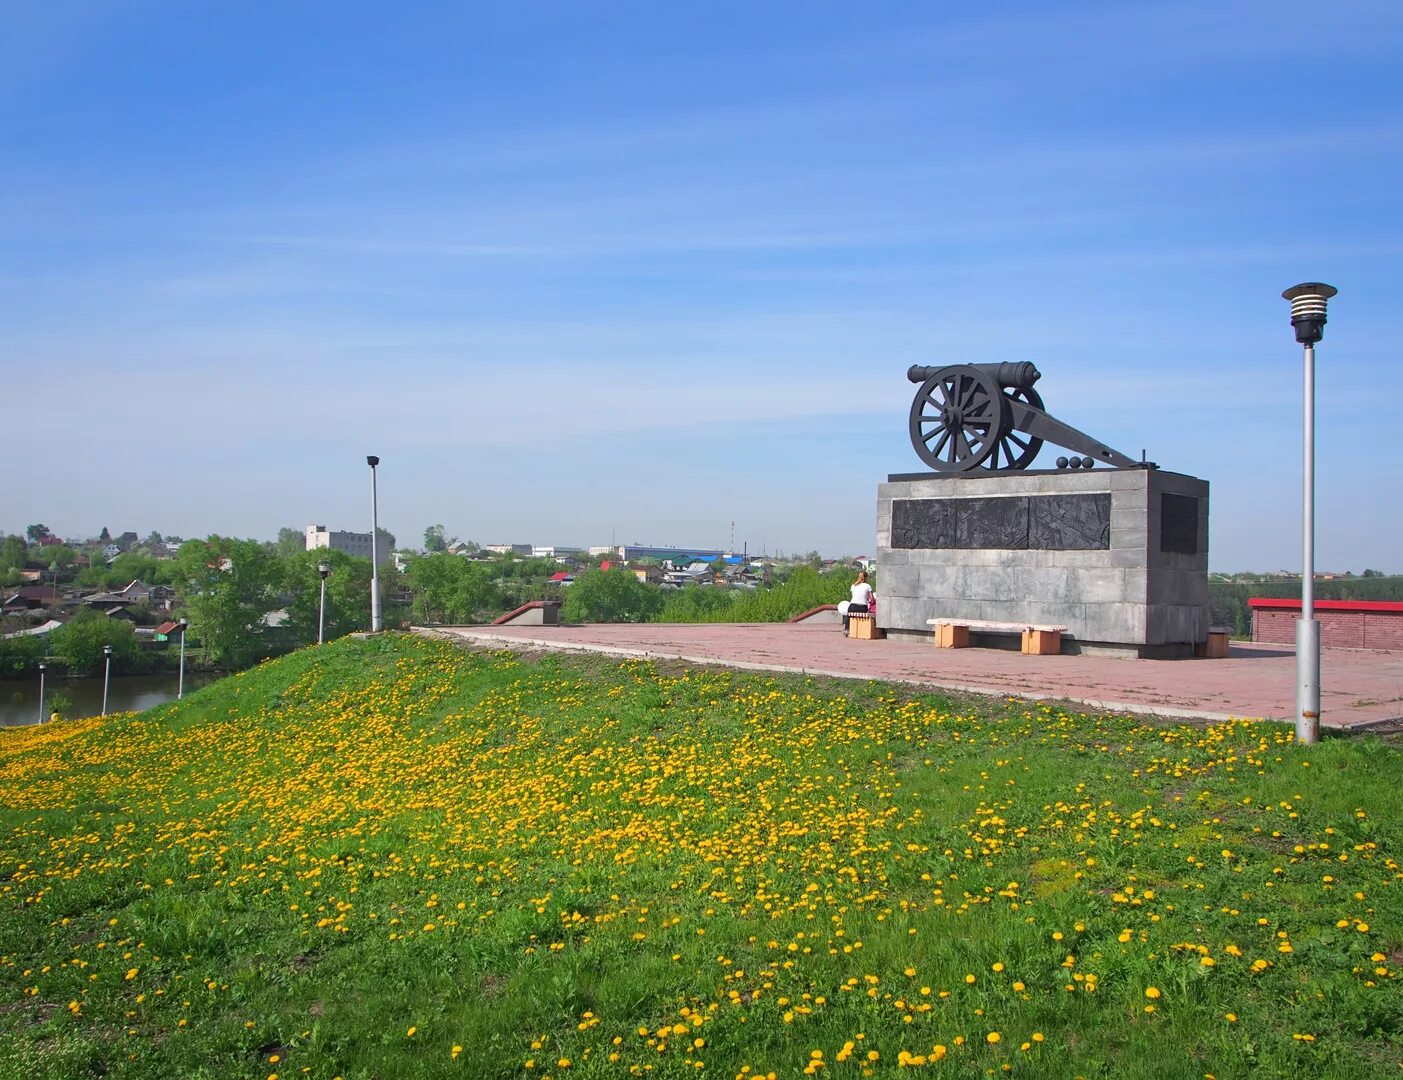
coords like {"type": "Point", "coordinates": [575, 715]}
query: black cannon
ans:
{"type": "Point", "coordinates": [988, 416]}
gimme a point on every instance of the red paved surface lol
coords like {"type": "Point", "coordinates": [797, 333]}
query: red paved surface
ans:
{"type": "Point", "coordinates": [1357, 687]}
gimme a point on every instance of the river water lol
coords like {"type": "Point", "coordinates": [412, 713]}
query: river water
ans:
{"type": "Point", "coordinates": [19, 698]}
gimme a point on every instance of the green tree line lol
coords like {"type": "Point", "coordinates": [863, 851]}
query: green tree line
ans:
{"type": "Point", "coordinates": [1227, 600]}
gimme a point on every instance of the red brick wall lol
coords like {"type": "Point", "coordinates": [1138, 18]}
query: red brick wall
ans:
{"type": "Point", "coordinates": [1338, 629]}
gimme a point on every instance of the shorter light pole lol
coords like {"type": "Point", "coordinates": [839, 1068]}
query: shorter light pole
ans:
{"type": "Point", "coordinates": [106, 675]}
{"type": "Point", "coordinates": [375, 624]}
{"type": "Point", "coordinates": [323, 569]}
{"type": "Point", "coordinates": [184, 625]}
{"type": "Point", "coordinates": [41, 692]}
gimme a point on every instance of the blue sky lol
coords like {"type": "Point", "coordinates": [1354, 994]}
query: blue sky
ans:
{"type": "Point", "coordinates": [636, 270]}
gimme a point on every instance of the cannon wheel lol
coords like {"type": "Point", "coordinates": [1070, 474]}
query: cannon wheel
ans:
{"type": "Point", "coordinates": [1016, 449]}
{"type": "Point", "coordinates": [958, 419]}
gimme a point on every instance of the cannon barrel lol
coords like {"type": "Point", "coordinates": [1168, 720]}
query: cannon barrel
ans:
{"type": "Point", "coordinates": [1020, 375]}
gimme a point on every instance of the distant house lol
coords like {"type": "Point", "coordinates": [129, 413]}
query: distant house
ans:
{"type": "Point", "coordinates": [121, 614]}
{"type": "Point", "coordinates": [42, 630]}
{"type": "Point", "coordinates": [110, 551]}
{"type": "Point", "coordinates": [105, 601]}
{"type": "Point", "coordinates": [167, 631]}
{"type": "Point", "coordinates": [127, 541]}
{"type": "Point", "coordinates": [161, 598]}
{"type": "Point", "coordinates": [562, 577]}
{"type": "Point", "coordinates": [649, 575]}
{"type": "Point", "coordinates": [136, 592]}
{"type": "Point", "coordinates": [30, 598]}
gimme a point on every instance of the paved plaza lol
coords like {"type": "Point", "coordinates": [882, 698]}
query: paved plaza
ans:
{"type": "Point", "coordinates": [1359, 688]}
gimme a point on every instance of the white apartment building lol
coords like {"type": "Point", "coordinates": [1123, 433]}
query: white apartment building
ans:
{"type": "Point", "coordinates": [352, 543]}
{"type": "Point", "coordinates": [509, 549]}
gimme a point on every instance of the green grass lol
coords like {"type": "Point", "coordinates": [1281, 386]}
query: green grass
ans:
{"type": "Point", "coordinates": [547, 860]}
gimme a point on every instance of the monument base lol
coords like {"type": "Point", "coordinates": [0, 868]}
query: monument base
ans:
{"type": "Point", "coordinates": [1118, 556]}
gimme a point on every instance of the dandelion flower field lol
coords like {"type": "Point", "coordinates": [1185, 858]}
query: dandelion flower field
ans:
{"type": "Point", "coordinates": [396, 858]}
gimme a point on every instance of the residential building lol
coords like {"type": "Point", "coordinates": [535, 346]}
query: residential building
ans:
{"type": "Point", "coordinates": [352, 543]}
{"type": "Point", "coordinates": [510, 549]}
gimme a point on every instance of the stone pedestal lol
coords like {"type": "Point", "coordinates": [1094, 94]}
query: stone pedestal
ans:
{"type": "Point", "coordinates": [1118, 556]}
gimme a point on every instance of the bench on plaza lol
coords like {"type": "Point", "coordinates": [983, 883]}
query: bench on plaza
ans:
{"type": "Point", "coordinates": [1038, 640]}
{"type": "Point", "coordinates": [862, 625]}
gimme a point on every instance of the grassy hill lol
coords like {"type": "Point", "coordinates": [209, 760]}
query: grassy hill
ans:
{"type": "Point", "coordinates": [393, 858]}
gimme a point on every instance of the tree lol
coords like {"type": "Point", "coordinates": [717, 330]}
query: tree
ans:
{"type": "Point", "coordinates": [153, 540]}
{"type": "Point", "coordinates": [104, 537]}
{"type": "Point", "coordinates": [37, 533]}
{"type": "Point", "coordinates": [226, 586]}
{"type": "Point", "coordinates": [78, 643]}
{"type": "Point", "coordinates": [347, 593]}
{"type": "Point", "coordinates": [13, 553]}
{"type": "Point", "coordinates": [289, 542]}
{"type": "Point", "coordinates": [449, 589]}
{"type": "Point", "coordinates": [434, 540]}
{"type": "Point", "coordinates": [610, 596]}
{"type": "Point", "coordinates": [21, 654]}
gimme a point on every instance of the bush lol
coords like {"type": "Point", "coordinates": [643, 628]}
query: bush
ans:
{"type": "Point", "coordinates": [78, 644]}
{"type": "Point", "coordinates": [21, 654]}
{"type": "Point", "coordinates": [610, 596]}
{"type": "Point", "coordinates": [805, 588]}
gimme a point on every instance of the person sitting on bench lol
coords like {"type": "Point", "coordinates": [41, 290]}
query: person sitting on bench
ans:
{"type": "Point", "coordinates": [862, 600]}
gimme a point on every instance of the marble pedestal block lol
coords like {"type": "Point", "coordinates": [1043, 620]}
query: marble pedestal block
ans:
{"type": "Point", "coordinates": [1118, 556]}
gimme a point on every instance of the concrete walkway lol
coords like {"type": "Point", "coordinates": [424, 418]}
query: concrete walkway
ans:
{"type": "Point", "coordinates": [1358, 688]}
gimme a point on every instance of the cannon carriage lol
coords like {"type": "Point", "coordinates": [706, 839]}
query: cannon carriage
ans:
{"type": "Point", "coordinates": [988, 417]}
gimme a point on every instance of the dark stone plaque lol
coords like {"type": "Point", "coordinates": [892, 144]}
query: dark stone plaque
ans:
{"type": "Point", "coordinates": [1042, 522]}
{"type": "Point", "coordinates": [923, 523]}
{"type": "Point", "coordinates": [992, 523]}
{"type": "Point", "coordinates": [1178, 524]}
{"type": "Point", "coordinates": [1070, 522]}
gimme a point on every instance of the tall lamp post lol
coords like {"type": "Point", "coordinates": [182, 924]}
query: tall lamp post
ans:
{"type": "Point", "coordinates": [41, 692]}
{"type": "Point", "coordinates": [323, 569]}
{"type": "Point", "coordinates": [106, 674]}
{"type": "Point", "coordinates": [1308, 302]}
{"type": "Point", "coordinates": [375, 624]}
{"type": "Point", "coordinates": [184, 625]}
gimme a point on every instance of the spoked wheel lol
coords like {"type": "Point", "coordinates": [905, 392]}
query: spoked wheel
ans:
{"type": "Point", "coordinates": [1016, 449]}
{"type": "Point", "coordinates": [959, 418]}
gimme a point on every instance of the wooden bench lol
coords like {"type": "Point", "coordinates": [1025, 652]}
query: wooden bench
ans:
{"type": "Point", "coordinates": [1036, 639]}
{"type": "Point", "coordinates": [863, 626]}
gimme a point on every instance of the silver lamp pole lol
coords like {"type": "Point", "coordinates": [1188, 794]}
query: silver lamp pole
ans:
{"type": "Point", "coordinates": [1308, 302]}
{"type": "Point", "coordinates": [180, 686]}
{"type": "Point", "coordinates": [323, 569]}
{"type": "Point", "coordinates": [375, 623]}
{"type": "Point", "coordinates": [41, 692]}
{"type": "Point", "coordinates": [106, 675]}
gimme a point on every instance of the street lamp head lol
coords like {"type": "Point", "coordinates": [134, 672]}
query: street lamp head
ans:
{"type": "Point", "coordinates": [372, 460]}
{"type": "Point", "coordinates": [183, 625]}
{"type": "Point", "coordinates": [1308, 302]}
{"type": "Point", "coordinates": [107, 650]}
{"type": "Point", "coordinates": [43, 668]}
{"type": "Point", "coordinates": [324, 568]}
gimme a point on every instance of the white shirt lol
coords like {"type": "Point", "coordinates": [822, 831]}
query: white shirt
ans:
{"type": "Point", "coordinates": [862, 594]}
